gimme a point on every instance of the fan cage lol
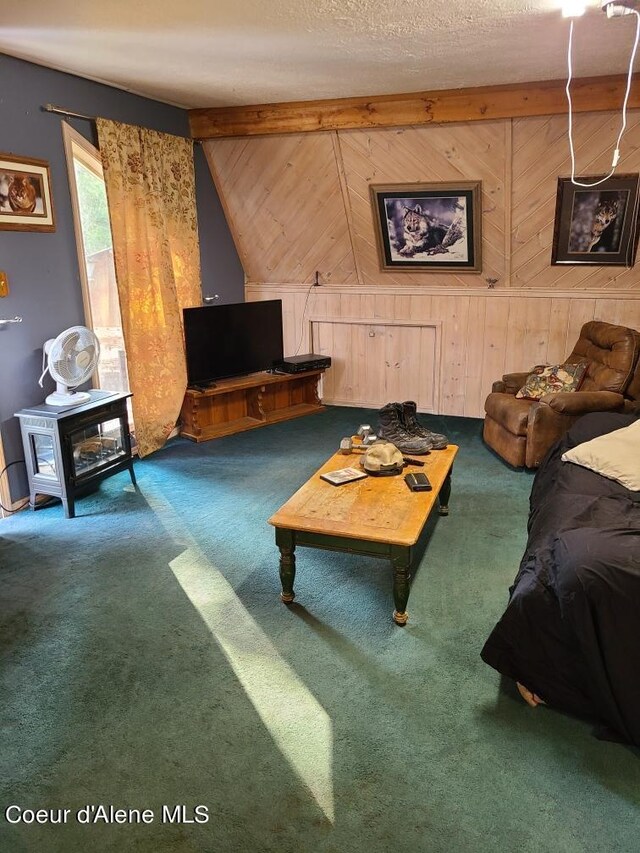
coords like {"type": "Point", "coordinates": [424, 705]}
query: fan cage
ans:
{"type": "Point", "coordinates": [74, 356]}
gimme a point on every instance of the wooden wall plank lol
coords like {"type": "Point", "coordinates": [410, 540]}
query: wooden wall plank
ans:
{"type": "Point", "coordinates": [614, 309]}
{"type": "Point", "coordinates": [454, 313]}
{"type": "Point", "coordinates": [580, 312]}
{"type": "Point", "coordinates": [558, 347]}
{"type": "Point", "coordinates": [473, 379]}
{"type": "Point", "coordinates": [517, 357]}
{"type": "Point", "coordinates": [493, 345]}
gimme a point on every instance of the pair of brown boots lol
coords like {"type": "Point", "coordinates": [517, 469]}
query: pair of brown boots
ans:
{"type": "Point", "coordinates": [400, 426]}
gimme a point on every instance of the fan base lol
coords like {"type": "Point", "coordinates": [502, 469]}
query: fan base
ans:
{"type": "Point", "coordinates": [69, 398]}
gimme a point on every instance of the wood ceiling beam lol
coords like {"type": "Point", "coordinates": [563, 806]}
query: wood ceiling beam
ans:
{"type": "Point", "coordinates": [590, 94]}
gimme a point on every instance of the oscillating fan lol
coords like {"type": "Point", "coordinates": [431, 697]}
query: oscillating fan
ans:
{"type": "Point", "coordinates": [71, 359]}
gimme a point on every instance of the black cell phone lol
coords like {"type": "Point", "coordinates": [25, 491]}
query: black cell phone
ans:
{"type": "Point", "coordinates": [418, 482]}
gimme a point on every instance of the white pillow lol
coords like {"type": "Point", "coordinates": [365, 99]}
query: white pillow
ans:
{"type": "Point", "coordinates": [615, 455]}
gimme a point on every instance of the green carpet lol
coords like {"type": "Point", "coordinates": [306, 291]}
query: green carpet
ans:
{"type": "Point", "coordinates": [147, 661]}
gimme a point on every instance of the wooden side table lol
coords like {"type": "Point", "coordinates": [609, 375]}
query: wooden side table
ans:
{"type": "Point", "coordinates": [68, 449]}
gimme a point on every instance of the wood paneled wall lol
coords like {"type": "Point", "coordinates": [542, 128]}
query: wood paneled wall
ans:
{"type": "Point", "coordinates": [539, 157]}
{"type": "Point", "coordinates": [482, 334]}
{"type": "Point", "coordinates": [298, 204]}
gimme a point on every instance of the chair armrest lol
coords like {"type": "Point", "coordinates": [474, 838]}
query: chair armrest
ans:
{"type": "Point", "coordinates": [544, 427]}
{"type": "Point", "coordinates": [631, 407]}
{"type": "Point", "coordinates": [510, 383]}
{"type": "Point", "coordinates": [582, 402]}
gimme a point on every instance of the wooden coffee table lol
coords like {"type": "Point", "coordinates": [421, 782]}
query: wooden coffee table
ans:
{"type": "Point", "coordinates": [376, 516]}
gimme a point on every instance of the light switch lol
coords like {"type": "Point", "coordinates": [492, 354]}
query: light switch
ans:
{"type": "Point", "coordinates": [4, 284]}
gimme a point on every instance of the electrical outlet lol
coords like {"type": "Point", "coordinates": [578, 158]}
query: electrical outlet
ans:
{"type": "Point", "coordinates": [4, 284]}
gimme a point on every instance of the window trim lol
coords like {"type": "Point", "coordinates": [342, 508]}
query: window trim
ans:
{"type": "Point", "coordinates": [77, 147]}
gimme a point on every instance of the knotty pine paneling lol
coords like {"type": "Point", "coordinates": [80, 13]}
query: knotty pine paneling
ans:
{"type": "Point", "coordinates": [373, 362]}
{"type": "Point", "coordinates": [446, 154]}
{"type": "Point", "coordinates": [299, 203]}
{"type": "Point", "coordinates": [480, 335]}
{"type": "Point", "coordinates": [540, 156]}
{"type": "Point", "coordinates": [284, 203]}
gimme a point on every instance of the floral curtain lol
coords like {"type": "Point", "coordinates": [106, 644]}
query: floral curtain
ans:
{"type": "Point", "coordinates": [150, 182]}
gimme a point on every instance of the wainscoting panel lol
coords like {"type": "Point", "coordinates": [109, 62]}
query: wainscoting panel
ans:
{"type": "Point", "coordinates": [374, 363]}
{"type": "Point", "coordinates": [458, 342]}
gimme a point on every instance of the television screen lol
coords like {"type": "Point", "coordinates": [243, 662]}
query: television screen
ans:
{"type": "Point", "coordinates": [232, 340]}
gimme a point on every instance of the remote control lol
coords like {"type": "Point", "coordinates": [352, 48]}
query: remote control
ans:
{"type": "Point", "coordinates": [418, 482]}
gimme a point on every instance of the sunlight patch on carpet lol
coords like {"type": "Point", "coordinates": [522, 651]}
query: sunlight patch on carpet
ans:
{"type": "Point", "coordinates": [298, 724]}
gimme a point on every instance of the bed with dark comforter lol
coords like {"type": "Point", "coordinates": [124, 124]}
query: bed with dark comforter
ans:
{"type": "Point", "coordinates": [571, 630]}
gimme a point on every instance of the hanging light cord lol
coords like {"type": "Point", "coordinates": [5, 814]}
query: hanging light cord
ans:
{"type": "Point", "coordinates": [616, 153]}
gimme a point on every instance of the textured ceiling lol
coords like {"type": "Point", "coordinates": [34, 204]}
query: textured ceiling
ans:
{"type": "Point", "coordinates": [198, 53]}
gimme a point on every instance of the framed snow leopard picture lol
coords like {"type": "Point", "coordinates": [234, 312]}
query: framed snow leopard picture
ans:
{"type": "Point", "coordinates": [596, 221]}
{"type": "Point", "coordinates": [428, 227]}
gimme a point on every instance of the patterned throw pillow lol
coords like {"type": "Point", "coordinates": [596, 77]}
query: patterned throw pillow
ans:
{"type": "Point", "coordinates": [549, 379]}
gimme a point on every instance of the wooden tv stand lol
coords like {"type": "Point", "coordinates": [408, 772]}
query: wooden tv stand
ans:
{"type": "Point", "coordinates": [248, 402]}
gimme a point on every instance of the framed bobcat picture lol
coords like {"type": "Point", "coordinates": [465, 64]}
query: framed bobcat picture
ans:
{"type": "Point", "coordinates": [596, 225]}
{"type": "Point", "coordinates": [25, 195]}
{"type": "Point", "coordinates": [428, 227]}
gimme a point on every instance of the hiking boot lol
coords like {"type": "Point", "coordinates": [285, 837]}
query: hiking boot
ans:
{"type": "Point", "coordinates": [392, 429]}
{"type": "Point", "coordinates": [410, 422]}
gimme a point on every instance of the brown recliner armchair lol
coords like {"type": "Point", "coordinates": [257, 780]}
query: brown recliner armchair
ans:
{"type": "Point", "coordinates": [521, 431]}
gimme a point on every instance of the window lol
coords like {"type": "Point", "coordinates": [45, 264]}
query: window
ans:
{"type": "Point", "coordinates": [95, 257]}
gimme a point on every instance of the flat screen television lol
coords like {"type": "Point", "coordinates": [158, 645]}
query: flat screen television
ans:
{"type": "Point", "coordinates": [232, 340]}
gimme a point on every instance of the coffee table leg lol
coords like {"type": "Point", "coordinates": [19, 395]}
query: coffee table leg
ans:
{"type": "Point", "coordinates": [401, 562]}
{"type": "Point", "coordinates": [444, 495]}
{"type": "Point", "coordinates": [287, 545]}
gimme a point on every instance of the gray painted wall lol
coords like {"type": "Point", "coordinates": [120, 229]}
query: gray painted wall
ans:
{"type": "Point", "coordinates": [42, 268]}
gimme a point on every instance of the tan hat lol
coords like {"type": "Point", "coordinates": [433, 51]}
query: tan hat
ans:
{"type": "Point", "coordinates": [382, 458]}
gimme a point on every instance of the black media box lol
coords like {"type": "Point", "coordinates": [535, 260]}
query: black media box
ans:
{"type": "Point", "coordinates": [301, 363]}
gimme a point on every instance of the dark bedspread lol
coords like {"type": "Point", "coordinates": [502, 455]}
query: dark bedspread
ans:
{"type": "Point", "coordinates": [571, 630]}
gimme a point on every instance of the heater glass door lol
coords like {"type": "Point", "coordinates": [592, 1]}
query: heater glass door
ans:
{"type": "Point", "coordinates": [97, 445]}
{"type": "Point", "coordinates": [43, 455]}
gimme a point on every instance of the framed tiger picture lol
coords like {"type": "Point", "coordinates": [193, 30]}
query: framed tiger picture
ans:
{"type": "Point", "coordinates": [428, 227]}
{"type": "Point", "coordinates": [25, 195]}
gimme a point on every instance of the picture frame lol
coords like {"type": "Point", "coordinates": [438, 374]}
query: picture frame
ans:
{"type": "Point", "coordinates": [596, 225]}
{"type": "Point", "coordinates": [26, 202]}
{"type": "Point", "coordinates": [428, 227]}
